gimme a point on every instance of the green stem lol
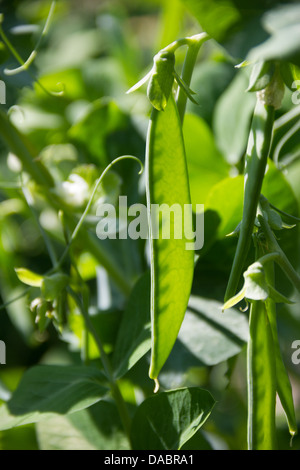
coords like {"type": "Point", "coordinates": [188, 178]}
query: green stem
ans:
{"type": "Point", "coordinates": [283, 384]}
{"type": "Point", "coordinates": [187, 71]}
{"type": "Point", "coordinates": [281, 260]}
{"type": "Point", "coordinates": [188, 41]}
{"type": "Point", "coordinates": [47, 241]}
{"type": "Point", "coordinates": [121, 405]}
{"type": "Point", "coordinates": [18, 145]}
{"type": "Point", "coordinates": [25, 65]}
{"type": "Point", "coordinates": [256, 161]}
{"type": "Point", "coordinates": [285, 214]}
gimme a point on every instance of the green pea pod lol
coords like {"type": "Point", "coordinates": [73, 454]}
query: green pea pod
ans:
{"type": "Point", "coordinates": [283, 386]}
{"type": "Point", "coordinates": [256, 161]}
{"type": "Point", "coordinates": [172, 259]}
{"type": "Point", "coordinates": [161, 80]}
{"type": "Point", "coordinates": [261, 381]}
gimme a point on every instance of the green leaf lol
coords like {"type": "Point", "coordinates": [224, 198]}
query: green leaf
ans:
{"type": "Point", "coordinates": [95, 428]}
{"type": "Point", "coordinates": [29, 278]}
{"type": "Point", "coordinates": [92, 130]}
{"type": "Point", "coordinates": [232, 118]}
{"type": "Point", "coordinates": [134, 336]}
{"type": "Point", "coordinates": [47, 390]}
{"type": "Point", "coordinates": [206, 165]}
{"type": "Point", "coordinates": [278, 297]}
{"type": "Point", "coordinates": [284, 42]}
{"type": "Point", "coordinates": [52, 286]}
{"type": "Point", "coordinates": [217, 18]}
{"type": "Point", "coordinates": [229, 209]}
{"type": "Point", "coordinates": [283, 386]}
{"type": "Point", "coordinates": [205, 326]}
{"type": "Point", "coordinates": [210, 79]}
{"type": "Point", "coordinates": [187, 90]}
{"type": "Point", "coordinates": [168, 420]}
{"type": "Point", "coordinates": [172, 264]}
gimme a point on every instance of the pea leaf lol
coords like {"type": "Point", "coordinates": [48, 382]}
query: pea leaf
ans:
{"type": "Point", "coordinates": [206, 164]}
{"type": "Point", "coordinates": [172, 264]}
{"type": "Point", "coordinates": [284, 41]}
{"type": "Point", "coordinates": [216, 18]}
{"type": "Point", "coordinates": [232, 118]}
{"type": "Point", "coordinates": [205, 326]}
{"type": "Point", "coordinates": [168, 420]}
{"type": "Point", "coordinates": [95, 428]}
{"type": "Point", "coordinates": [29, 278]}
{"type": "Point", "coordinates": [134, 336]}
{"type": "Point", "coordinates": [91, 131]}
{"type": "Point", "coordinates": [47, 390]}
{"type": "Point", "coordinates": [52, 286]}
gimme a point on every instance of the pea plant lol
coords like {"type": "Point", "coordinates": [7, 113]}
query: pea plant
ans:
{"type": "Point", "coordinates": [151, 327]}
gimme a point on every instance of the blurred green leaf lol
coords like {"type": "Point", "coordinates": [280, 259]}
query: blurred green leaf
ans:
{"type": "Point", "coordinates": [91, 131]}
{"type": "Point", "coordinates": [134, 337]}
{"type": "Point", "coordinates": [232, 118]}
{"type": "Point", "coordinates": [95, 428]}
{"type": "Point", "coordinates": [52, 286]}
{"type": "Point", "coordinates": [22, 438]}
{"type": "Point", "coordinates": [206, 165]}
{"type": "Point", "coordinates": [225, 198]}
{"type": "Point", "coordinates": [210, 335]}
{"type": "Point", "coordinates": [217, 18]}
{"type": "Point", "coordinates": [29, 278]}
{"type": "Point", "coordinates": [284, 43]}
{"type": "Point", "coordinates": [210, 79]}
{"type": "Point", "coordinates": [47, 390]}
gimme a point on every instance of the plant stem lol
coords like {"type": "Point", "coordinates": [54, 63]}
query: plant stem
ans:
{"type": "Point", "coordinates": [121, 405]}
{"type": "Point", "coordinates": [256, 161]}
{"type": "Point", "coordinates": [285, 214]}
{"type": "Point", "coordinates": [283, 385]}
{"type": "Point", "coordinates": [17, 144]}
{"type": "Point", "coordinates": [20, 147]}
{"type": "Point", "coordinates": [187, 72]}
{"type": "Point", "coordinates": [282, 260]}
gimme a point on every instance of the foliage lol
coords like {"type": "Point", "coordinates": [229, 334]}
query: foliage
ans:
{"type": "Point", "coordinates": [89, 322]}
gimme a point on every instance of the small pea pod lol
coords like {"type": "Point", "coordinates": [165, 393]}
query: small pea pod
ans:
{"type": "Point", "coordinates": [283, 386]}
{"type": "Point", "coordinates": [259, 143]}
{"type": "Point", "coordinates": [172, 264]}
{"type": "Point", "coordinates": [261, 381]}
{"type": "Point", "coordinates": [256, 161]}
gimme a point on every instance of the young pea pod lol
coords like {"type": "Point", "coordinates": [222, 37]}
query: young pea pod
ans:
{"type": "Point", "coordinates": [259, 143]}
{"type": "Point", "coordinates": [256, 161]}
{"type": "Point", "coordinates": [172, 263]}
{"type": "Point", "coordinates": [283, 384]}
{"type": "Point", "coordinates": [261, 381]}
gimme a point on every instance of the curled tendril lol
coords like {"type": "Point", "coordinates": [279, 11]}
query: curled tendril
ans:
{"type": "Point", "coordinates": [24, 66]}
